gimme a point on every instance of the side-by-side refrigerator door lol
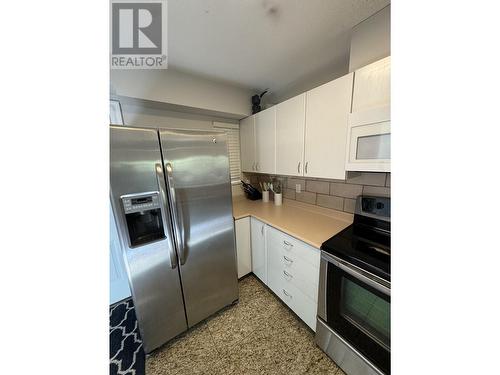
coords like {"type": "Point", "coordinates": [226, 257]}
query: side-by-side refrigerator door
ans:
{"type": "Point", "coordinates": [138, 195]}
{"type": "Point", "coordinates": [197, 169]}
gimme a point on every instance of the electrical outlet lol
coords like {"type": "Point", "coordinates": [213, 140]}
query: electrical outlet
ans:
{"type": "Point", "coordinates": [297, 188]}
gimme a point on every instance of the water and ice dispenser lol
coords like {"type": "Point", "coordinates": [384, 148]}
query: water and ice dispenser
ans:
{"type": "Point", "coordinates": [143, 217]}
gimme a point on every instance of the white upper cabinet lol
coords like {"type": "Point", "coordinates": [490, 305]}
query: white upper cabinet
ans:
{"type": "Point", "coordinates": [327, 114]}
{"type": "Point", "coordinates": [290, 125]}
{"type": "Point", "coordinates": [265, 141]}
{"type": "Point", "coordinates": [372, 86]}
{"type": "Point", "coordinates": [369, 135]}
{"type": "Point", "coordinates": [247, 144]}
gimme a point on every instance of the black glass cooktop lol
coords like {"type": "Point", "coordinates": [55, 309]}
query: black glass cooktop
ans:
{"type": "Point", "coordinates": [366, 243]}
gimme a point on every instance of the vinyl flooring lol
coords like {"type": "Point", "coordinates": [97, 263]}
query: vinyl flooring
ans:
{"type": "Point", "coordinates": [258, 335]}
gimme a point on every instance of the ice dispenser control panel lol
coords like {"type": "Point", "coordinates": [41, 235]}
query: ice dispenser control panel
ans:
{"type": "Point", "coordinates": [140, 203]}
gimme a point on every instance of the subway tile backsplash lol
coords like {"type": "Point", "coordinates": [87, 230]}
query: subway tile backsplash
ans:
{"type": "Point", "coordinates": [321, 187]}
{"type": "Point", "coordinates": [336, 194]}
{"type": "Point", "coordinates": [330, 201]}
{"type": "Point", "coordinates": [366, 178]}
{"type": "Point", "coordinates": [341, 189]}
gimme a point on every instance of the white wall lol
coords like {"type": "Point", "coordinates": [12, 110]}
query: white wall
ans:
{"type": "Point", "coordinates": [182, 89]}
{"type": "Point", "coordinates": [371, 39]}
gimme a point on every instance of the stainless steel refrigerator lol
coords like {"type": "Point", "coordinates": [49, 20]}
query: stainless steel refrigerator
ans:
{"type": "Point", "coordinates": [171, 198]}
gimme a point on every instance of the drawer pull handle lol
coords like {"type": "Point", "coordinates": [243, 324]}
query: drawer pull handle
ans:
{"type": "Point", "coordinates": [287, 274]}
{"type": "Point", "coordinates": [287, 259]}
{"type": "Point", "coordinates": [286, 243]}
{"type": "Point", "coordinates": [286, 294]}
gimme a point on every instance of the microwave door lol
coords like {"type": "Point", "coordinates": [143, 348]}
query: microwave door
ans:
{"type": "Point", "coordinates": [197, 170]}
{"type": "Point", "coordinates": [369, 147]}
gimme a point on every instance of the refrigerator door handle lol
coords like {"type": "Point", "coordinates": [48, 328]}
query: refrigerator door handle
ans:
{"type": "Point", "coordinates": [161, 187]}
{"type": "Point", "coordinates": [176, 214]}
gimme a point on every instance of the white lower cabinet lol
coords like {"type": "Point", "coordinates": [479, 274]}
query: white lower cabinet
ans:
{"type": "Point", "coordinates": [293, 273]}
{"type": "Point", "coordinates": [289, 267]}
{"type": "Point", "coordinates": [259, 251]}
{"type": "Point", "coordinates": [243, 247]}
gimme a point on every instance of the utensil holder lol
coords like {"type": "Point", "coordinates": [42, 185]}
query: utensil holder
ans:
{"type": "Point", "coordinates": [278, 199]}
{"type": "Point", "coordinates": [265, 196]}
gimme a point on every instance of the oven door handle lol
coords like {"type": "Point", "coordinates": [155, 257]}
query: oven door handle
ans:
{"type": "Point", "coordinates": [360, 276]}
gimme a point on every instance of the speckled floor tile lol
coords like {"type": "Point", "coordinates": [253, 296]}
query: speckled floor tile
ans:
{"type": "Point", "coordinates": [309, 358]}
{"type": "Point", "coordinates": [262, 352]}
{"type": "Point", "coordinates": [252, 313]}
{"type": "Point", "coordinates": [252, 292]}
{"type": "Point", "coordinates": [192, 353]}
{"type": "Point", "coordinates": [259, 335]}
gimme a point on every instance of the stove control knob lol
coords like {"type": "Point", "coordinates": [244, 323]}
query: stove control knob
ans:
{"type": "Point", "coordinates": [367, 204]}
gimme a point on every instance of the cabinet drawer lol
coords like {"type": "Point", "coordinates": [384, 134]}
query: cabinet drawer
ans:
{"type": "Point", "coordinates": [293, 247]}
{"type": "Point", "coordinates": [301, 305]}
{"type": "Point", "coordinates": [293, 270]}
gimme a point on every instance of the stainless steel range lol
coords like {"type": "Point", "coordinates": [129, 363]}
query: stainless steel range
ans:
{"type": "Point", "coordinates": [354, 305]}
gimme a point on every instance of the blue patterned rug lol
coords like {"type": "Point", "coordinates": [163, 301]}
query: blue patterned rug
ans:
{"type": "Point", "coordinates": [126, 356]}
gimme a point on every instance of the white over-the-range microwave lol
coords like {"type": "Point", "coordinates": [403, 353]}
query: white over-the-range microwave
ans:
{"type": "Point", "coordinates": [369, 140]}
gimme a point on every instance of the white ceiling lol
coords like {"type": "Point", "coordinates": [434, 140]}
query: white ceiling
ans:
{"type": "Point", "coordinates": [262, 43]}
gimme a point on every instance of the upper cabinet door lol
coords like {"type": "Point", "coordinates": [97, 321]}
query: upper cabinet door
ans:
{"type": "Point", "coordinates": [265, 140]}
{"type": "Point", "coordinates": [290, 125]}
{"type": "Point", "coordinates": [369, 136]}
{"type": "Point", "coordinates": [372, 86]}
{"type": "Point", "coordinates": [327, 114]}
{"type": "Point", "coordinates": [247, 144]}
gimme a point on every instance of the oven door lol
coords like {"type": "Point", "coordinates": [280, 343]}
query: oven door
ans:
{"type": "Point", "coordinates": [356, 305]}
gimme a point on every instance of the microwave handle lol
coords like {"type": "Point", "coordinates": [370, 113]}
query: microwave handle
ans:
{"type": "Point", "coordinates": [161, 186]}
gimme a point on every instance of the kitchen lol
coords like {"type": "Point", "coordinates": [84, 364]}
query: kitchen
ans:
{"type": "Point", "coordinates": [293, 176]}
{"type": "Point", "coordinates": [224, 177]}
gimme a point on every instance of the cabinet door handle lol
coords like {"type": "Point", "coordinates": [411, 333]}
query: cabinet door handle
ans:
{"type": "Point", "coordinates": [306, 166]}
{"type": "Point", "coordinates": [287, 294]}
{"type": "Point", "coordinates": [287, 259]}
{"type": "Point", "coordinates": [298, 167]}
{"type": "Point", "coordinates": [287, 274]}
{"type": "Point", "coordinates": [262, 230]}
{"type": "Point", "coordinates": [257, 166]}
{"type": "Point", "coordinates": [286, 243]}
